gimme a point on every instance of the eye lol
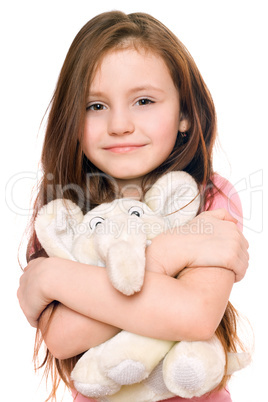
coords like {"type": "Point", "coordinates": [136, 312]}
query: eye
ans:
{"type": "Point", "coordinates": [144, 102]}
{"type": "Point", "coordinates": [138, 211]}
{"type": "Point", "coordinates": [95, 222]}
{"type": "Point", "coordinates": [96, 107]}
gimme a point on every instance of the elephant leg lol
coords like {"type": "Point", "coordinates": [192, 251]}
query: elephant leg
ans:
{"type": "Point", "coordinates": [150, 390]}
{"type": "Point", "coordinates": [194, 368]}
{"type": "Point", "coordinates": [88, 377]}
{"type": "Point", "coordinates": [129, 358]}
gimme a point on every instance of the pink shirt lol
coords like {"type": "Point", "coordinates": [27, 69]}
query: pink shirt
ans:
{"type": "Point", "coordinates": [220, 396]}
{"type": "Point", "coordinates": [230, 200]}
{"type": "Point", "coordinates": [232, 204]}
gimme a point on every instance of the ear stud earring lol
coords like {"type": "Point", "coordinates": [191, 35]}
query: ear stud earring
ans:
{"type": "Point", "coordinates": [183, 135]}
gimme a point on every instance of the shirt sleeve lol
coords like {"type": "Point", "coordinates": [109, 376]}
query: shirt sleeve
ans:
{"type": "Point", "coordinates": [228, 199]}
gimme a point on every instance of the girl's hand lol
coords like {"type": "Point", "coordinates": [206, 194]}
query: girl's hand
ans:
{"type": "Point", "coordinates": [31, 294]}
{"type": "Point", "coordinates": [221, 243]}
{"type": "Point", "coordinates": [211, 239]}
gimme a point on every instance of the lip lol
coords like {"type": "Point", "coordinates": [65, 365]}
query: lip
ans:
{"type": "Point", "coordinates": [123, 148]}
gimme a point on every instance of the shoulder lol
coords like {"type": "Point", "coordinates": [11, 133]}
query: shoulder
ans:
{"type": "Point", "coordinates": [227, 197]}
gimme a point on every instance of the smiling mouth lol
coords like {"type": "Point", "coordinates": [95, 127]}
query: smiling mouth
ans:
{"type": "Point", "coordinates": [121, 149]}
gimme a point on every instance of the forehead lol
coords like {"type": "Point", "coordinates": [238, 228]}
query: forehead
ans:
{"type": "Point", "coordinates": [116, 207]}
{"type": "Point", "coordinates": [133, 66]}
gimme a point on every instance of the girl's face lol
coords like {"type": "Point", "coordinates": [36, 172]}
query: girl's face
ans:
{"type": "Point", "coordinates": [133, 115]}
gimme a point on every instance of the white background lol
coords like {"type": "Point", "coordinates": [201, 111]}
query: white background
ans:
{"type": "Point", "coordinates": [228, 40]}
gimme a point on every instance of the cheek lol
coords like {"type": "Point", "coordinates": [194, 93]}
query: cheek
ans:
{"type": "Point", "coordinates": [87, 140]}
{"type": "Point", "coordinates": [92, 132]}
{"type": "Point", "coordinates": [89, 128]}
{"type": "Point", "coordinates": [167, 118]}
{"type": "Point", "coordinates": [165, 132]}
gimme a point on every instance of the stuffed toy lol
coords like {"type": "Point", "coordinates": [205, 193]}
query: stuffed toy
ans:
{"type": "Point", "coordinates": [129, 367]}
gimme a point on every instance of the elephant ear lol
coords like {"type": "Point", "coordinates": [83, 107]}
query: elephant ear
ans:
{"type": "Point", "coordinates": [175, 196]}
{"type": "Point", "coordinates": [55, 227]}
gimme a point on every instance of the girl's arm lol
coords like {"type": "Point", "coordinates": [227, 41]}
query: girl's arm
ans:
{"type": "Point", "coordinates": [70, 333]}
{"type": "Point", "coordinates": [188, 308]}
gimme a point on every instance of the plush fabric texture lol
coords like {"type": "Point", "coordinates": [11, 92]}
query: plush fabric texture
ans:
{"type": "Point", "coordinates": [130, 367]}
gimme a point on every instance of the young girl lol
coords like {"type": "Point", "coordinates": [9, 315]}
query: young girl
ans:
{"type": "Point", "coordinates": [129, 106]}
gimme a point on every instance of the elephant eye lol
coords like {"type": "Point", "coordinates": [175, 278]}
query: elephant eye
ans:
{"type": "Point", "coordinates": [95, 222]}
{"type": "Point", "coordinates": [138, 211]}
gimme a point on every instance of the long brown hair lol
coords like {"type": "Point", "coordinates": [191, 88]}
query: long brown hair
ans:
{"type": "Point", "coordinates": [66, 169]}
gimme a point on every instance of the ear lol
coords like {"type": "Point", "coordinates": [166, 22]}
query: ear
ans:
{"type": "Point", "coordinates": [184, 124]}
{"type": "Point", "coordinates": [55, 227]}
{"type": "Point", "coordinates": [175, 196]}
{"type": "Point", "coordinates": [237, 361]}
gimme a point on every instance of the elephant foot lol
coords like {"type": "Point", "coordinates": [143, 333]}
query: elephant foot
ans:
{"type": "Point", "coordinates": [192, 369]}
{"type": "Point", "coordinates": [186, 376]}
{"type": "Point", "coordinates": [96, 390]}
{"type": "Point", "coordinates": [88, 377]}
{"type": "Point", "coordinates": [128, 372]}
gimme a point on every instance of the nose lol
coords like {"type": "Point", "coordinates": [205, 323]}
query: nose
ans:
{"type": "Point", "coordinates": [120, 122]}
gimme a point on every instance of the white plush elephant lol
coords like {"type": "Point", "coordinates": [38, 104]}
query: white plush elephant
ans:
{"type": "Point", "coordinates": [115, 235]}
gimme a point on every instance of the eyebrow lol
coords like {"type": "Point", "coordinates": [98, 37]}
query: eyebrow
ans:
{"type": "Point", "coordinates": [146, 88]}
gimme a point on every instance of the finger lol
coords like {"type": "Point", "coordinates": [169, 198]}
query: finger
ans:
{"type": "Point", "coordinates": [26, 268]}
{"type": "Point", "coordinates": [223, 214]}
{"type": "Point", "coordinates": [241, 266]}
{"type": "Point", "coordinates": [33, 323]}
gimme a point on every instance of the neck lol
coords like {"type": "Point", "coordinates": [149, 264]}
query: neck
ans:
{"type": "Point", "coordinates": [130, 188]}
